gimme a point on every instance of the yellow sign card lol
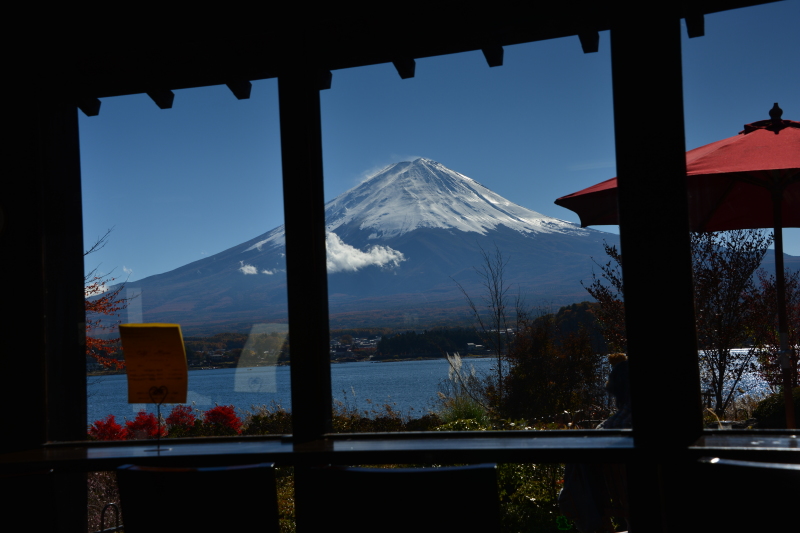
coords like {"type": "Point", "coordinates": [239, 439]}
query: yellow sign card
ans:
{"type": "Point", "coordinates": [155, 360]}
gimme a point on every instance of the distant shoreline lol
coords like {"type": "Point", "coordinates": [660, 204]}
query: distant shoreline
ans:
{"type": "Point", "coordinates": [97, 373]}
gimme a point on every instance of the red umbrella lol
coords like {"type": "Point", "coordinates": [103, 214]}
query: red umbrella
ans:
{"type": "Point", "coordinates": [730, 182]}
{"type": "Point", "coordinates": [751, 180]}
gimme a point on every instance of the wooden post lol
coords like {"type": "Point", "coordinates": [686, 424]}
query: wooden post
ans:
{"type": "Point", "coordinates": [654, 238]}
{"type": "Point", "coordinates": [306, 271]}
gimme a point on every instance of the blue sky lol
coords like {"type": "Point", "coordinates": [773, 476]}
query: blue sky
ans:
{"type": "Point", "coordinates": [178, 185]}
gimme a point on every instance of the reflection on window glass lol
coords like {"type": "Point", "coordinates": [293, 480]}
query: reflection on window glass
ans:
{"type": "Point", "coordinates": [188, 207]}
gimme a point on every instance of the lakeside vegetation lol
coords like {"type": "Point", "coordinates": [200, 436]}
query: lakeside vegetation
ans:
{"type": "Point", "coordinates": [549, 373]}
{"type": "Point", "coordinates": [528, 492]}
{"type": "Point", "coordinates": [551, 377]}
{"type": "Point", "coordinates": [225, 349]}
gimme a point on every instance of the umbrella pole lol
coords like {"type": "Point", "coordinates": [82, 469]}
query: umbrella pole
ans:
{"type": "Point", "coordinates": [784, 355]}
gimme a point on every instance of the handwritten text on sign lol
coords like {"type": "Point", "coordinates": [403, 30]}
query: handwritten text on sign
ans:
{"type": "Point", "coordinates": [155, 360]}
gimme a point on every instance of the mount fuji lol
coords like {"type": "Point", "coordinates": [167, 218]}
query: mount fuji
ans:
{"type": "Point", "coordinates": [397, 245]}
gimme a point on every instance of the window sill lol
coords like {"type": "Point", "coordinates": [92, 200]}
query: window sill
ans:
{"type": "Point", "coordinates": [403, 448]}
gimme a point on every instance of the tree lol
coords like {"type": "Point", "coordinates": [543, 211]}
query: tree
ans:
{"type": "Point", "coordinates": [222, 420]}
{"type": "Point", "coordinates": [102, 301]}
{"type": "Point", "coordinates": [107, 429]}
{"type": "Point", "coordinates": [180, 421]}
{"type": "Point", "coordinates": [552, 371]}
{"type": "Point", "coordinates": [723, 264]}
{"type": "Point", "coordinates": [540, 369]}
{"type": "Point", "coordinates": [499, 317]}
{"type": "Point", "coordinates": [145, 426]}
{"type": "Point", "coordinates": [611, 312]}
{"type": "Point", "coordinates": [763, 299]}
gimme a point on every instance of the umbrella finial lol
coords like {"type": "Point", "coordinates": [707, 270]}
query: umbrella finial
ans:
{"type": "Point", "coordinates": [775, 114]}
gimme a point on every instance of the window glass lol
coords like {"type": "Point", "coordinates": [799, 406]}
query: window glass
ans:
{"type": "Point", "coordinates": [440, 194]}
{"type": "Point", "coordinates": [183, 215]}
{"type": "Point", "coordinates": [734, 271]}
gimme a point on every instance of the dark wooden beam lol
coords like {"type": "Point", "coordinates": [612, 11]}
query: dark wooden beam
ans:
{"type": "Point", "coordinates": [162, 98]}
{"type": "Point", "coordinates": [493, 55]}
{"type": "Point", "coordinates": [50, 225]}
{"type": "Point", "coordinates": [239, 48]}
{"type": "Point", "coordinates": [654, 224]}
{"type": "Point", "coordinates": [695, 25]}
{"type": "Point", "coordinates": [590, 41]}
{"type": "Point", "coordinates": [306, 265]}
{"type": "Point", "coordinates": [90, 106]}
{"type": "Point", "coordinates": [325, 79]}
{"type": "Point", "coordinates": [62, 257]}
{"type": "Point", "coordinates": [405, 67]}
{"type": "Point", "coordinates": [22, 272]}
{"type": "Point", "coordinates": [240, 89]}
{"type": "Point", "coordinates": [306, 271]}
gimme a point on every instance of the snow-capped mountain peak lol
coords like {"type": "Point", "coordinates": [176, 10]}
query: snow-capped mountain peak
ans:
{"type": "Point", "coordinates": [425, 194]}
{"type": "Point", "coordinates": [395, 244]}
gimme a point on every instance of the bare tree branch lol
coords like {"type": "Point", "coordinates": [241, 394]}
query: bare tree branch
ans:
{"type": "Point", "coordinates": [723, 264]}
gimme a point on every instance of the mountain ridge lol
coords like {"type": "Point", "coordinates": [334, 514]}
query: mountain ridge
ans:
{"type": "Point", "coordinates": [398, 241]}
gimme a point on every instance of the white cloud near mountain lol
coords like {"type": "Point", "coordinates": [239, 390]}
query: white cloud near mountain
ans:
{"type": "Point", "coordinates": [247, 269]}
{"type": "Point", "coordinates": [344, 258]}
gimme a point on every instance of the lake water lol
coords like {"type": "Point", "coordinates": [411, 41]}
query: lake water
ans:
{"type": "Point", "coordinates": [408, 386]}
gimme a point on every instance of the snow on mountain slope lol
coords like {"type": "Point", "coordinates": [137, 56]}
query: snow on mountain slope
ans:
{"type": "Point", "coordinates": [401, 242]}
{"type": "Point", "coordinates": [425, 194]}
{"type": "Point", "coordinates": [274, 238]}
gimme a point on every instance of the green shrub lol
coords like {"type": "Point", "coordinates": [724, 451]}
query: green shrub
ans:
{"type": "Point", "coordinates": [284, 481]}
{"type": "Point", "coordinates": [349, 418]}
{"type": "Point", "coordinates": [469, 424]}
{"type": "Point", "coordinates": [427, 422]}
{"type": "Point", "coordinates": [461, 394]}
{"type": "Point", "coordinates": [771, 411]}
{"type": "Point", "coordinates": [268, 420]}
{"type": "Point", "coordinates": [462, 407]}
{"type": "Point", "coordinates": [529, 496]}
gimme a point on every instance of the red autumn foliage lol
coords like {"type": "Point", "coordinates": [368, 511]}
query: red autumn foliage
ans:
{"type": "Point", "coordinates": [108, 304]}
{"type": "Point", "coordinates": [182, 422]}
{"type": "Point", "coordinates": [108, 429]}
{"type": "Point", "coordinates": [181, 416]}
{"type": "Point", "coordinates": [224, 417]}
{"type": "Point", "coordinates": [99, 301]}
{"type": "Point", "coordinates": [144, 426]}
